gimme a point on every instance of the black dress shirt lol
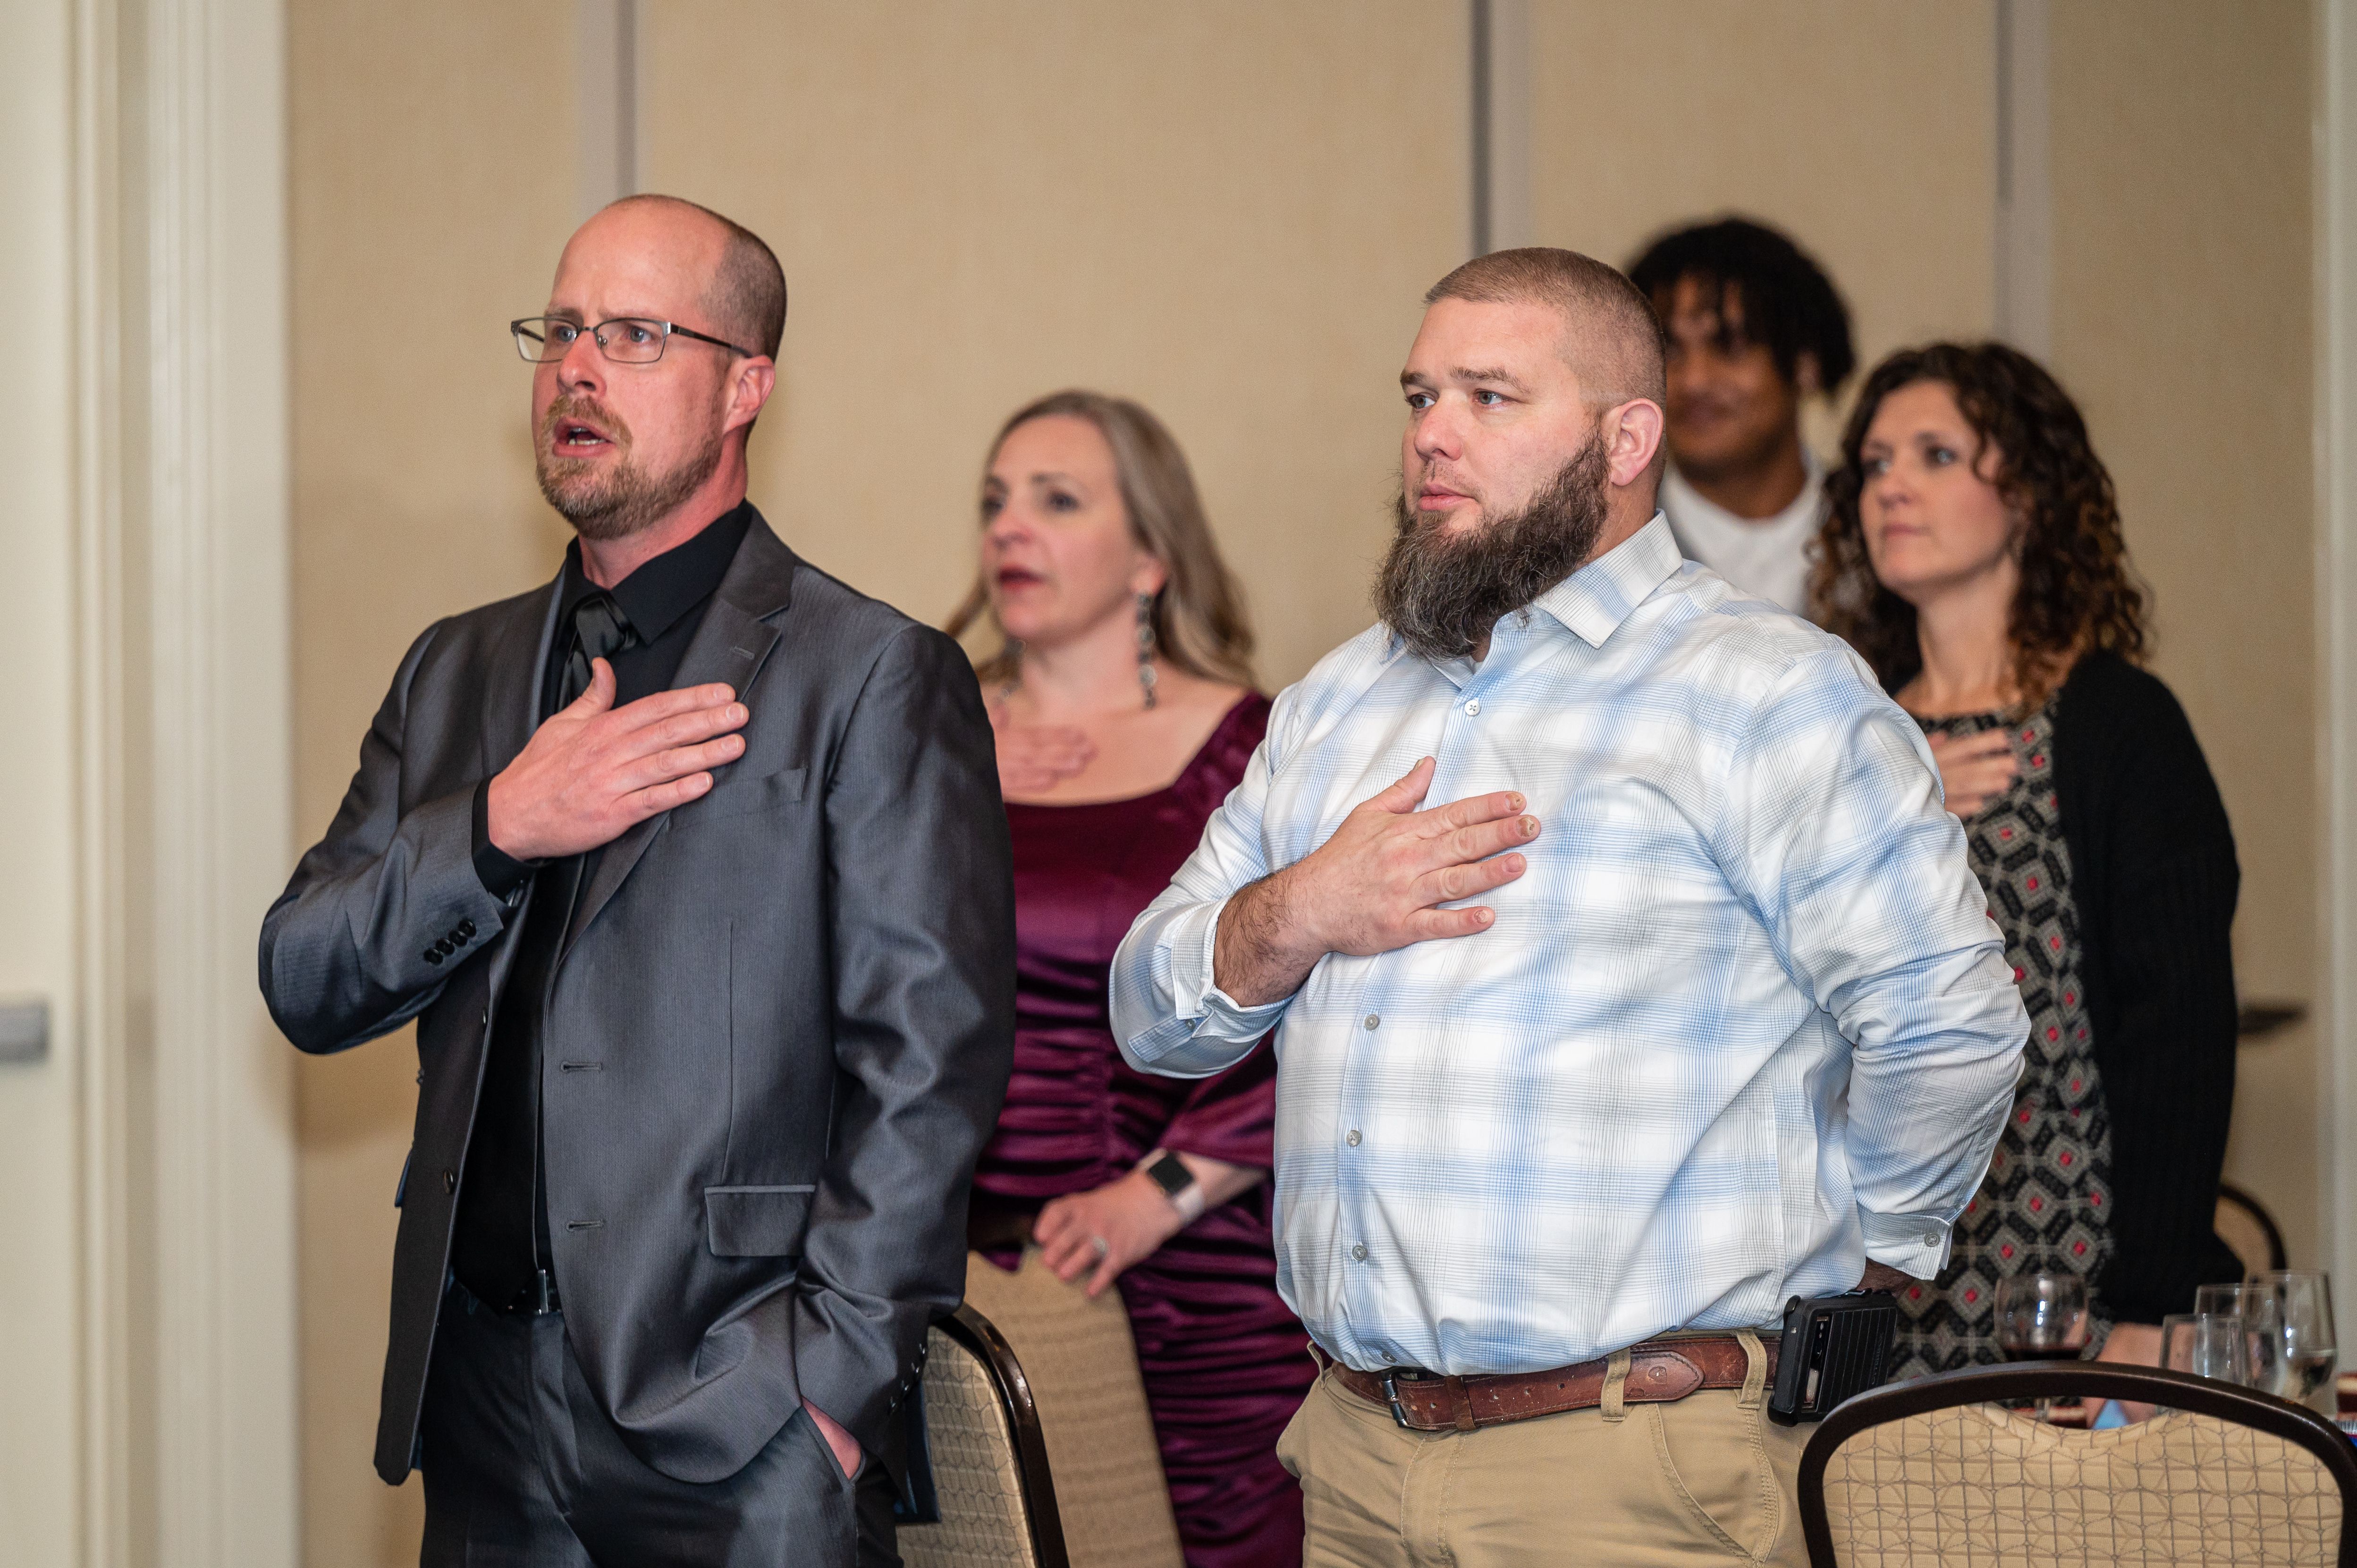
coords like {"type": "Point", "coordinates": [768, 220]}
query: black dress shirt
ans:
{"type": "Point", "coordinates": [501, 1245]}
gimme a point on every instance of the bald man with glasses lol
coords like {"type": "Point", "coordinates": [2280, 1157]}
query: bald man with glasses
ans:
{"type": "Point", "coordinates": [691, 868]}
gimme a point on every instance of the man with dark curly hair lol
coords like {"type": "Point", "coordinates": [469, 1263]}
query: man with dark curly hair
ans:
{"type": "Point", "coordinates": [1755, 330]}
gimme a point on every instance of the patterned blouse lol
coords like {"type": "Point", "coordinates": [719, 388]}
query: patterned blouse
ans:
{"type": "Point", "coordinates": [2045, 1204]}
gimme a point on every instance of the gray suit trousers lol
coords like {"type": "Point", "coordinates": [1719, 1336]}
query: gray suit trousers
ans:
{"type": "Point", "coordinates": [523, 1471]}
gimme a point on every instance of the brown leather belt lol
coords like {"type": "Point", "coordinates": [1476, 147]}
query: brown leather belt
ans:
{"type": "Point", "coordinates": [1660, 1370]}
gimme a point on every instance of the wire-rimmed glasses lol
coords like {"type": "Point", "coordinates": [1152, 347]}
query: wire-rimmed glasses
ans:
{"type": "Point", "coordinates": [626, 340]}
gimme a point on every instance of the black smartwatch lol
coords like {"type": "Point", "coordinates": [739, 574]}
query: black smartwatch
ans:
{"type": "Point", "coordinates": [1170, 1174]}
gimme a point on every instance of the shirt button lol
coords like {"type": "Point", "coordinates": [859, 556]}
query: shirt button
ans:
{"type": "Point", "coordinates": [1374, 1019]}
{"type": "Point", "coordinates": [1358, 1253]}
{"type": "Point", "coordinates": [1351, 1137]}
{"type": "Point", "coordinates": [1931, 1238]}
{"type": "Point", "coordinates": [1472, 707]}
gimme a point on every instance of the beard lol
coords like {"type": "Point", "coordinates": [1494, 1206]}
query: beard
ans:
{"type": "Point", "coordinates": [609, 503]}
{"type": "Point", "coordinates": [1442, 593]}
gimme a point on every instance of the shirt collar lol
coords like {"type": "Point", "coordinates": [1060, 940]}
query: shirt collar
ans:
{"type": "Point", "coordinates": [1593, 601]}
{"type": "Point", "coordinates": [663, 589]}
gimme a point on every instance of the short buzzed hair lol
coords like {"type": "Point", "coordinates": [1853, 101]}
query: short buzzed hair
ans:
{"type": "Point", "coordinates": [1612, 336]}
{"type": "Point", "coordinates": [746, 296]}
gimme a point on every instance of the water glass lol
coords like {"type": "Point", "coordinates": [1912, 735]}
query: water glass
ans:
{"type": "Point", "coordinates": [2262, 1314]}
{"type": "Point", "coordinates": [2208, 1345]}
{"type": "Point", "coordinates": [2303, 1304]}
{"type": "Point", "coordinates": [2041, 1317]}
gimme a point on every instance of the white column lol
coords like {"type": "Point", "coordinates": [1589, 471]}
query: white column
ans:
{"type": "Point", "coordinates": [218, 706]}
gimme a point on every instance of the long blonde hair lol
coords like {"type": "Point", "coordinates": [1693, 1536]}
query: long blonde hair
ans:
{"type": "Point", "coordinates": [1198, 616]}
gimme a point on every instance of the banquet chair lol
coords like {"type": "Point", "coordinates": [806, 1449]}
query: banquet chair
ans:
{"type": "Point", "coordinates": [1935, 1473]}
{"type": "Point", "coordinates": [1081, 1364]}
{"type": "Point", "coordinates": [2245, 1224]}
{"type": "Point", "coordinates": [978, 1468]}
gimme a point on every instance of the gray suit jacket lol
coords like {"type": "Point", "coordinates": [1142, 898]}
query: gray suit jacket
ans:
{"type": "Point", "coordinates": [779, 1028]}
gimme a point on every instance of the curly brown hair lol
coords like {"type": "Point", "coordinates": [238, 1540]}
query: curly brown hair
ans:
{"type": "Point", "coordinates": [2077, 591]}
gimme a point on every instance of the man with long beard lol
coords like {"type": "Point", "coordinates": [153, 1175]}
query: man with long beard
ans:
{"type": "Point", "coordinates": [691, 867]}
{"type": "Point", "coordinates": [1729, 1024]}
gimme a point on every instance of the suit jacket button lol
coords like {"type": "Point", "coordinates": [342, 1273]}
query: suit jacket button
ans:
{"type": "Point", "coordinates": [449, 1181]}
{"type": "Point", "coordinates": [466, 930]}
{"type": "Point", "coordinates": [433, 955]}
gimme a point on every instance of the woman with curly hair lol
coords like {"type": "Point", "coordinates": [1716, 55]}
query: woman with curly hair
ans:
{"type": "Point", "coordinates": [1971, 553]}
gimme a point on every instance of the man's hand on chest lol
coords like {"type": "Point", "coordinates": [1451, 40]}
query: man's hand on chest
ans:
{"type": "Point", "coordinates": [594, 771]}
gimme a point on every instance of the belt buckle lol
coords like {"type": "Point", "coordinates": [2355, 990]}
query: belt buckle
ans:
{"type": "Point", "coordinates": [1391, 1393]}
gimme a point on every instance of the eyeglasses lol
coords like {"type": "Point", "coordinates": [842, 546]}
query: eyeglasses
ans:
{"type": "Point", "coordinates": [626, 340]}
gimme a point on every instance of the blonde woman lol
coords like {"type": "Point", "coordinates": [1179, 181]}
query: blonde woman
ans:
{"type": "Point", "coordinates": [1124, 710]}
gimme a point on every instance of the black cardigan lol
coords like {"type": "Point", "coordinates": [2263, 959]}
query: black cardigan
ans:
{"type": "Point", "coordinates": [2154, 877]}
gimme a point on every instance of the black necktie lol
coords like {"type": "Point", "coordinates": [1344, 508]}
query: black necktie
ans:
{"type": "Point", "coordinates": [600, 631]}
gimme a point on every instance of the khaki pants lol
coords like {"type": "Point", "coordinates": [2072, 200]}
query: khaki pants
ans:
{"type": "Point", "coordinates": [1708, 1479]}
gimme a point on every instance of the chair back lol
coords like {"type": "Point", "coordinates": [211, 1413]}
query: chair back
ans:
{"type": "Point", "coordinates": [1082, 1367]}
{"type": "Point", "coordinates": [984, 1462]}
{"type": "Point", "coordinates": [1935, 1472]}
{"type": "Point", "coordinates": [2244, 1224]}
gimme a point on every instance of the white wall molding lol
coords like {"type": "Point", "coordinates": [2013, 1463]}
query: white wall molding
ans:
{"type": "Point", "coordinates": [2336, 613]}
{"type": "Point", "coordinates": [2024, 186]}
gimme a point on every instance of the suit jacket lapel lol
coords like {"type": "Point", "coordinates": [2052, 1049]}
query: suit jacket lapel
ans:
{"type": "Point", "coordinates": [512, 684]}
{"type": "Point", "coordinates": [731, 645]}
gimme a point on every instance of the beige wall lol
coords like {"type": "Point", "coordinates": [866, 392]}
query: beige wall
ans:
{"type": "Point", "coordinates": [2182, 322]}
{"type": "Point", "coordinates": [432, 184]}
{"type": "Point", "coordinates": [1227, 211]}
{"type": "Point", "coordinates": [1864, 128]}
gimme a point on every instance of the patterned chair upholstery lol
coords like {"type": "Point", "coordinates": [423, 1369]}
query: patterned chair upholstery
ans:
{"type": "Point", "coordinates": [1082, 1367]}
{"type": "Point", "coordinates": [1934, 1473]}
{"type": "Point", "coordinates": [984, 1461]}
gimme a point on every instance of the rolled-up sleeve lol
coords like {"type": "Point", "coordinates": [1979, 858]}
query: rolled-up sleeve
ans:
{"type": "Point", "coordinates": [1168, 1015]}
{"type": "Point", "coordinates": [1837, 833]}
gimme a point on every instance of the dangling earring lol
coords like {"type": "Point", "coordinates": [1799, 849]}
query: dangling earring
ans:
{"type": "Point", "coordinates": [1146, 645]}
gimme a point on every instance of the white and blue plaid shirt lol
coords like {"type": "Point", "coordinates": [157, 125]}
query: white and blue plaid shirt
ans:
{"type": "Point", "coordinates": [1742, 1025]}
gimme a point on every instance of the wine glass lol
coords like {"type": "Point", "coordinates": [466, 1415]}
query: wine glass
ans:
{"type": "Point", "coordinates": [2304, 1309]}
{"type": "Point", "coordinates": [2208, 1345]}
{"type": "Point", "coordinates": [2041, 1317]}
{"type": "Point", "coordinates": [2262, 1313]}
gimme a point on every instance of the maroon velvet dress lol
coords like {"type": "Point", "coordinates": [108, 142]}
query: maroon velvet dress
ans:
{"type": "Point", "coordinates": [1225, 1363]}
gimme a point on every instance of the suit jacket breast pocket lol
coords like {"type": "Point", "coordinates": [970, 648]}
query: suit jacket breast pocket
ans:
{"type": "Point", "coordinates": [756, 1222]}
{"type": "Point", "coordinates": [734, 797]}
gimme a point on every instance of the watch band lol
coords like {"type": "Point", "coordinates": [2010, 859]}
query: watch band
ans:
{"type": "Point", "coordinates": [1178, 1183]}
